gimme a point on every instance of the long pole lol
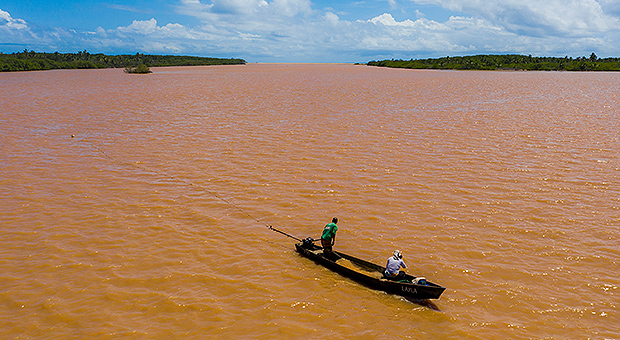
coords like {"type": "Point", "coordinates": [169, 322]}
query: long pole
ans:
{"type": "Point", "coordinates": [283, 233]}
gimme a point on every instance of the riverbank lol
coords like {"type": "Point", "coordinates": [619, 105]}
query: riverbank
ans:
{"type": "Point", "coordinates": [506, 62]}
{"type": "Point", "coordinates": [37, 61]}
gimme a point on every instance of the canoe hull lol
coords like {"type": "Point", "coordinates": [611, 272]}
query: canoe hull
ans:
{"type": "Point", "coordinates": [370, 274]}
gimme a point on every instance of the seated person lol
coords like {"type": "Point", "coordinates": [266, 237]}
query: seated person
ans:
{"type": "Point", "coordinates": [392, 269]}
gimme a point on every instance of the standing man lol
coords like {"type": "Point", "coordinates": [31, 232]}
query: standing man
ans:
{"type": "Point", "coordinates": [328, 238]}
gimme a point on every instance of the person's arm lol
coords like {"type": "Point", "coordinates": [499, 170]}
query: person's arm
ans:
{"type": "Point", "coordinates": [334, 240]}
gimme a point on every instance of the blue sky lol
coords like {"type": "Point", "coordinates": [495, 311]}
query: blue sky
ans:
{"type": "Point", "coordinates": [313, 31]}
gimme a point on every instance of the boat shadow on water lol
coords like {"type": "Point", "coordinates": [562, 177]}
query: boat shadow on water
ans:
{"type": "Point", "coordinates": [424, 303]}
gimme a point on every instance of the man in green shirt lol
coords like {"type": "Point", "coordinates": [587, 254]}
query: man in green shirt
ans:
{"type": "Point", "coordinates": [328, 238]}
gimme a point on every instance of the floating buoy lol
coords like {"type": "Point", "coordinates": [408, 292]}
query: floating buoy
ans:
{"type": "Point", "coordinates": [72, 136]}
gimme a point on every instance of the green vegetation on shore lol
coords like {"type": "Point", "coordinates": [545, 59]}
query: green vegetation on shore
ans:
{"type": "Point", "coordinates": [34, 61]}
{"type": "Point", "coordinates": [140, 69]}
{"type": "Point", "coordinates": [506, 62]}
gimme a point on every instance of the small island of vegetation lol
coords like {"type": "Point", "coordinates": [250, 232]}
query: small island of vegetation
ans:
{"type": "Point", "coordinates": [140, 69]}
{"type": "Point", "coordinates": [506, 62]}
{"type": "Point", "coordinates": [133, 63]}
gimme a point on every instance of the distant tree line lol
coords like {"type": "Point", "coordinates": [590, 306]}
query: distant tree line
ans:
{"type": "Point", "coordinates": [33, 61]}
{"type": "Point", "coordinates": [507, 62]}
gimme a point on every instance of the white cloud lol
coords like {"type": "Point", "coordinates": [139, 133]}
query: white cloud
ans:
{"type": "Point", "coordinates": [286, 8]}
{"type": "Point", "coordinates": [574, 18]}
{"type": "Point", "coordinates": [17, 34]}
{"type": "Point", "coordinates": [252, 14]}
{"type": "Point", "coordinates": [291, 7]}
{"type": "Point", "coordinates": [291, 27]}
{"type": "Point", "coordinates": [149, 28]}
{"type": "Point", "coordinates": [291, 30]}
{"type": "Point", "coordinates": [331, 18]}
{"type": "Point", "coordinates": [461, 35]}
{"type": "Point", "coordinates": [126, 8]}
{"type": "Point", "coordinates": [388, 20]}
{"type": "Point", "coordinates": [140, 27]}
{"type": "Point", "coordinates": [244, 7]}
{"type": "Point", "coordinates": [453, 36]}
{"type": "Point", "coordinates": [7, 22]}
{"type": "Point", "coordinates": [146, 36]}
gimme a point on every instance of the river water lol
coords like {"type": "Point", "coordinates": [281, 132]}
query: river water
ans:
{"type": "Point", "coordinates": [137, 206]}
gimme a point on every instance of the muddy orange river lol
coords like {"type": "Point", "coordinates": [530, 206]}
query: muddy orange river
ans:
{"type": "Point", "coordinates": [138, 206]}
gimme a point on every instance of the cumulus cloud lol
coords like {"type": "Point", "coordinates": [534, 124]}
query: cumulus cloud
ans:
{"type": "Point", "coordinates": [275, 28]}
{"type": "Point", "coordinates": [291, 30]}
{"type": "Point", "coordinates": [388, 20]}
{"type": "Point", "coordinates": [149, 37]}
{"type": "Point", "coordinates": [454, 36]}
{"type": "Point", "coordinates": [292, 27]}
{"type": "Point", "coordinates": [461, 35]}
{"type": "Point", "coordinates": [245, 10]}
{"type": "Point", "coordinates": [16, 32]}
{"type": "Point", "coordinates": [8, 22]}
{"type": "Point", "coordinates": [565, 18]}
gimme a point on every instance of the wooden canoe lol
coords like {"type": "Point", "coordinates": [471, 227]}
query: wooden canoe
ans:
{"type": "Point", "coordinates": [370, 274]}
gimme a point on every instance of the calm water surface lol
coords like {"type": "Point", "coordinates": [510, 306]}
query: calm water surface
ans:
{"type": "Point", "coordinates": [152, 221]}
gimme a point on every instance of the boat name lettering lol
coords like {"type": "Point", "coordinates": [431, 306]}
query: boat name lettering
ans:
{"type": "Point", "coordinates": [409, 290]}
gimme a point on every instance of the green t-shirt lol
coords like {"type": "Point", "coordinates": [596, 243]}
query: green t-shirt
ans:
{"type": "Point", "coordinates": [329, 231]}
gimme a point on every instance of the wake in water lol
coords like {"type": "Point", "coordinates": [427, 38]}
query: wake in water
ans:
{"type": "Point", "coordinates": [424, 303]}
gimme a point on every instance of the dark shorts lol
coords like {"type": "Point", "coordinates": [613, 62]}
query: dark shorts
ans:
{"type": "Point", "coordinates": [327, 245]}
{"type": "Point", "coordinates": [400, 276]}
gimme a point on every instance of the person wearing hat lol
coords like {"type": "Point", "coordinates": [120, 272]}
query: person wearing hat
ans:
{"type": "Point", "coordinates": [328, 238]}
{"type": "Point", "coordinates": [392, 269]}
